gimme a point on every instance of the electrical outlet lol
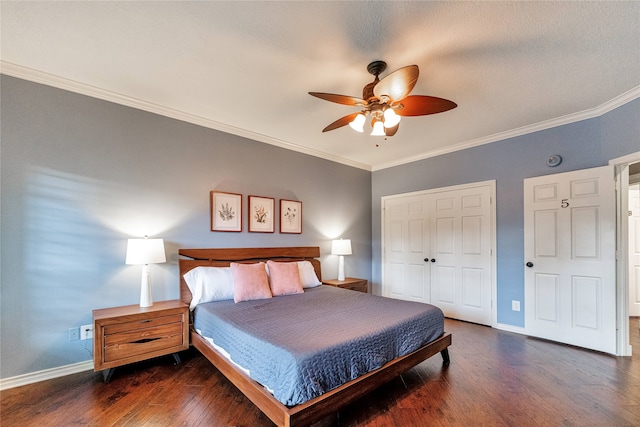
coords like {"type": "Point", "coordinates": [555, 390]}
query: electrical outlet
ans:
{"type": "Point", "coordinates": [515, 305]}
{"type": "Point", "coordinates": [74, 334]}
{"type": "Point", "coordinates": [86, 332]}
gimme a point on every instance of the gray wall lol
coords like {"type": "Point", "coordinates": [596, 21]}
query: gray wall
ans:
{"type": "Point", "coordinates": [584, 144]}
{"type": "Point", "coordinates": [81, 175]}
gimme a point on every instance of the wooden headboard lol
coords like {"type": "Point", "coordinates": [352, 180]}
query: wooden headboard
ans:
{"type": "Point", "coordinates": [224, 257]}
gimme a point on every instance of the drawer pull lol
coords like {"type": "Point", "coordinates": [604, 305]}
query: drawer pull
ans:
{"type": "Point", "coordinates": [144, 340]}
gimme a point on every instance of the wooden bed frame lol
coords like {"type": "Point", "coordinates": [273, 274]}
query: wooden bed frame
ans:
{"type": "Point", "coordinates": [315, 409]}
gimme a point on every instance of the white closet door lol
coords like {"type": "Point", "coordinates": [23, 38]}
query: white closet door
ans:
{"type": "Point", "coordinates": [437, 248]}
{"type": "Point", "coordinates": [461, 248]}
{"type": "Point", "coordinates": [406, 241]}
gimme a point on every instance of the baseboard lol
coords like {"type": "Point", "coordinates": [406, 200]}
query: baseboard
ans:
{"type": "Point", "coordinates": [510, 328]}
{"type": "Point", "coordinates": [47, 374]}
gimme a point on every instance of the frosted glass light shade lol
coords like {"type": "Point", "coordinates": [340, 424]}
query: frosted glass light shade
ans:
{"type": "Point", "coordinates": [390, 118]}
{"type": "Point", "coordinates": [358, 123]}
{"type": "Point", "coordinates": [378, 129]}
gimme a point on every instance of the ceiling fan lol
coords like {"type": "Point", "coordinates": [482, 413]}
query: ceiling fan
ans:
{"type": "Point", "coordinates": [386, 100]}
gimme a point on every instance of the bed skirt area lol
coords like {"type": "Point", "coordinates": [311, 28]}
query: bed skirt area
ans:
{"type": "Point", "coordinates": [316, 409]}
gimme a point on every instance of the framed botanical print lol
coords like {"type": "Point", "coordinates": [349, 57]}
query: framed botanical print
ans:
{"type": "Point", "coordinates": [226, 211]}
{"type": "Point", "coordinates": [290, 216]}
{"type": "Point", "coordinates": [261, 211]}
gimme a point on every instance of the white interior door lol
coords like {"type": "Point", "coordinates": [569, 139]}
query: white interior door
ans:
{"type": "Point", "coordinates": [570, 281]}
{"type": "Point", "coordinates": [406, 241]}
{"type": "Point", "coordinates": [461, 254]}
{"type": "Point", "coordinates": [634, 250]}
{"type": "Point", "coordinates": [438, 249]}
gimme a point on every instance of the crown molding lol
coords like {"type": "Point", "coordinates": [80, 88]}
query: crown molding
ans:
{"type": "Point", "coordinates": [36, 76]}
{"type": "Point", "coordinates": [58, 82]}
{"type": "Point", "coordinates": [598, 111]}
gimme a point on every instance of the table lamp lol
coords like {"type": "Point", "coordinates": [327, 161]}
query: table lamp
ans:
{"type": "Point", "coordinates": [144, 252]}
{"type": "Point", "coordinates": [341, 247]}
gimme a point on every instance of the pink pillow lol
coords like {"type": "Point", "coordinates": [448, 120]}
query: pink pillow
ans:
{"type": "Point", "coordinates": [250, 282]}
{"type": "Point", "coordinates": [284, 278]}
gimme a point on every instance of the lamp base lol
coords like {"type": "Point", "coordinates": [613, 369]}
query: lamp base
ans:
{"type": "Point", "coordinates": [341, 268]}
{"type": "Point", "coordinates": [145, 288]}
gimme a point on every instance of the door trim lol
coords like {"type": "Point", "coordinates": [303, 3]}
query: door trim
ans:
{"type": "Point", "coordinates": [621, 171]}
{"type": "Point", "coordinates": [492, 194]}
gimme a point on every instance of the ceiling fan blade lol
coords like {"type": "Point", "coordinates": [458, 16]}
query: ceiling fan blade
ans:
{"type": "Point", "coordinates": [392, 130]}
{"type": "Point", "coordinates": [398, 84]}
{"type": "Point", "coordinates": [420, 105]}
{"type": "Point", "coordinates": [340, 99]}
{"type": "Point", "coordinates": [343, 121]}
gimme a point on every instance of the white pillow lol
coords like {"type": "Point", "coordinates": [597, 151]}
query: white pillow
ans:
{"type": "Point", "coordinates": [209, 284]}
{"type": "Point", "coordinates": [308, 275]}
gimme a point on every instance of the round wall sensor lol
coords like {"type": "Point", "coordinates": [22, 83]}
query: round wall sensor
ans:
{"type": "Point", "coordinates": [554, 160]}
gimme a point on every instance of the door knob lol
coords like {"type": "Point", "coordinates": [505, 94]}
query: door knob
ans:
{"type": "Point", "coordinates": [529, 264]}
{"type": "Point", "coordinates": [433, 260]}
{"type": "Point", "coordinates": [426, 260]}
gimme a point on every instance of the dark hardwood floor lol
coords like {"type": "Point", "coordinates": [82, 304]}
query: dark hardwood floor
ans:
{"type": "Point", "coordinates": [495, 379]}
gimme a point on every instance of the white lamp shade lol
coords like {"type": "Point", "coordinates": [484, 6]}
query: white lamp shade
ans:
{"type": "Point", "coordinates": [145, 251]}
{"type": "Point", "coordinates": [341, 247]}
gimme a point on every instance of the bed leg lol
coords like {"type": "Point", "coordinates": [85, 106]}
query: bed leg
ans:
{"type": "Point", "coordinates": [445, 357]}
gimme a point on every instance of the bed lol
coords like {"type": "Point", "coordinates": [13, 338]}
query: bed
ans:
{"type": "Point", "coordinates": [319, 400]}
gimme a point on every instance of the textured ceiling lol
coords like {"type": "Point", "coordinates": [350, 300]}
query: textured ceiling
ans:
{"type": "Point", "coordinates": [246, 67]}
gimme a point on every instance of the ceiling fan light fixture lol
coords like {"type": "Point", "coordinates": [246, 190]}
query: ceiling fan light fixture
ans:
{"type": "Point", "coordinates": [385, 101]}
{"type": "Point", "coordinates": [378, 129]}
{"type": "Point", "coordinates": [357, 124]}
{"type": "Point", "coordinates": [391, 118]}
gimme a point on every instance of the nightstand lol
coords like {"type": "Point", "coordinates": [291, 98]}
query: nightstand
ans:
{"type": "Point", "coordinates": [360, 285]}
{"type": "Point", "coordinates": [123, 335]}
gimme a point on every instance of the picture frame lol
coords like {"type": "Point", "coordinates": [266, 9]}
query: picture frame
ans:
{"type": "Point", "coordinates": [290, 216]}
{"type": "Point", "coordinates": [226, 211]}
{"type": "Point", "coordinates": [261, 214]}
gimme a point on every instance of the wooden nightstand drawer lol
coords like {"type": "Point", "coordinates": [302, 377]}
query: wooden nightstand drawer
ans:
{"type": "Point", "coordinates": [132, 333]}
{"type": "Point", "coordinates": [351, 283]}
{"type": "Point", "coordinates": [136, 342]}
{"type": "Point", "coordinates": [359, 288]}
{"type": "Point", "coordinates": [118, 328]}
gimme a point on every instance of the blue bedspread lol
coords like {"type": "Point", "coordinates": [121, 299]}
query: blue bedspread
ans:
{"type": "Point", "coordinates": [301, 346]}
